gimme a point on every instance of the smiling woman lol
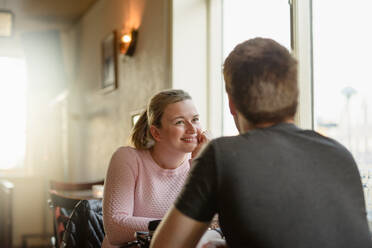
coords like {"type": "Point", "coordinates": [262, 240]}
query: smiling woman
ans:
{"type": "Point", "coordinates": [12, 112]}
{"type": "Point", "coordinates": [143, 181]}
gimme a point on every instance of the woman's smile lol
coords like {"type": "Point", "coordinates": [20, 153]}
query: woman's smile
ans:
{"type": "Point", "coordinates": [192, 139]}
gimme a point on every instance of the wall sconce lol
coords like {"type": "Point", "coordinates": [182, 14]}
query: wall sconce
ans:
{"type": "Point", "coordinates": [127, 43]}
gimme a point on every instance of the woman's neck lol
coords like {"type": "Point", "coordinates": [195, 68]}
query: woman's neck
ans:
{"type": "Point", "coordinates": [167, 159]}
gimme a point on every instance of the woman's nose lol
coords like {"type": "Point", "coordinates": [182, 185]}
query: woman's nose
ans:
{"type": "Point", "coordinates": [191, 128]}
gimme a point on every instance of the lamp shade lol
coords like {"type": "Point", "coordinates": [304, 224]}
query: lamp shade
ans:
{"type": "Point", "coordinates": [128, 42]}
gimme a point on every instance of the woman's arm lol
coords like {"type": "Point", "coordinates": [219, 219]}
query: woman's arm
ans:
{"type": "Point", "coordinates": [118, 202]}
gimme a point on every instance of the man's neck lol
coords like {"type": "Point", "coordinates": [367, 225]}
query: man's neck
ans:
{"type": "Point", "coordinates": [269, 124]}
{"type": "Point", "coordinates": [245, 125]}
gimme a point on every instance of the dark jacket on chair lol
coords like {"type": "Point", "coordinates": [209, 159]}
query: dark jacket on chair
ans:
{"type": "Point", "coordinates": [85, 227]}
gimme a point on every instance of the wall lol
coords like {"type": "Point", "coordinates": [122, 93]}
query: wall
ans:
{"type": "Point", "coordinates": [11, 47]}
{"type": "Point", "coordinates": [31, 214]}
{"type": "Point", "coordinates": [99, 123]}
{"type": "Point", "coordinates": [82, 127]}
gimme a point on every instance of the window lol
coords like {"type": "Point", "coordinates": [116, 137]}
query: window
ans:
{"type": "Point", "coordinates": [243, 20]}
{"type": "Point", "coordinates": [342, 96]}
{"type": "Point", "coordinates": [13, 112]}
{"type": "Point", "coordinates": [333, 48]}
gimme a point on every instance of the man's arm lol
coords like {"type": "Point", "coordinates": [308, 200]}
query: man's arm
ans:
{"type": "Point", "coordinates": [177, 230]}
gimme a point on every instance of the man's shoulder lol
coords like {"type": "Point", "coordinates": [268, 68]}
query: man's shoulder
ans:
{"type": "Point", "coordinates": [325, 140]}
{"type": "Point", "coordinates": [224, 140]}
{"type": "Point", "coordinates": [227, 144]}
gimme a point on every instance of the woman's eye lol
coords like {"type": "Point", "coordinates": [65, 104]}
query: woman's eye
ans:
{"type": "Point", "coordinates": [179, 122]}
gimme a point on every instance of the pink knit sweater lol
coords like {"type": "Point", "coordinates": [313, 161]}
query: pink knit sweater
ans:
{"type": "Point", "coordinates": [137, 191]}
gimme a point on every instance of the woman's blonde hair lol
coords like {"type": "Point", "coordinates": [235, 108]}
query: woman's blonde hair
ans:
{"type": "Point", "coordinates": [141, 137]}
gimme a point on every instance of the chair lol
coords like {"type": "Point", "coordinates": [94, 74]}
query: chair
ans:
{"type": "Point", "coordinates": [85, 228]}
{"type": "Point", "coordinates": [63, 198]}
{"type": "Point", "coordinates": [6, 195]}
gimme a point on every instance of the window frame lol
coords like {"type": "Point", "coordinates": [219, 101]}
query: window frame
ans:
{"type": "Point", "coordinates": [302, 48]}
{"type": "Point", "coordinates": [205, 83]}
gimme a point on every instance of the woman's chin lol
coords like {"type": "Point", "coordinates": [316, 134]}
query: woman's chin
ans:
{"type": "Point", "coordinates": [190, 147]}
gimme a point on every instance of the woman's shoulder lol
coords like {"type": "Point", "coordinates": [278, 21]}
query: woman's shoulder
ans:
{"type": "Point", "coordinates": [126, 150]}
{"type": "Point", "coordinates": [126, 158]}
{"type": "Point", "coordinates": [127, 153]}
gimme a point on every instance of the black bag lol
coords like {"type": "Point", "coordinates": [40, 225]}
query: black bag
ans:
{"type": "Point", "coordinates": [85, 227]}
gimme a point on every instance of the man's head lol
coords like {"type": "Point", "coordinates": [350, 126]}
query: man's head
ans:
{"type": "Point", "coordinates": [261, 81]}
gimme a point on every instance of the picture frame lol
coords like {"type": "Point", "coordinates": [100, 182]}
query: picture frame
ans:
{"type": "Point", "coordinates": [6, 23]}
{"type": "Point", "coordinates": [109, 62]}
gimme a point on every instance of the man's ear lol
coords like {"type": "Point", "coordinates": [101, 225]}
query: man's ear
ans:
{"type": "Point", "coordinates": [155, 133]}
{"type": "Point", "coordinates": [231, 106]}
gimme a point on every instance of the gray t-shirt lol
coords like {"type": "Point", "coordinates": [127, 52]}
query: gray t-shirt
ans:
{"type": "Point", "coordinates": [279, 187]}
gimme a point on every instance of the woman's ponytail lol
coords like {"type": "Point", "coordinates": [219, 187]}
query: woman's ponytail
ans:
{"type": "Point", "coordinates": [140, 137]}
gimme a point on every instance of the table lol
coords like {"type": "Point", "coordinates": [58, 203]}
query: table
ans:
{"type": "Point", "coordinates": [85, 194]}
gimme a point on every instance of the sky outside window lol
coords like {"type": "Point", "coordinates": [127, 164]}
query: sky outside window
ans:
{"type": "Point", "coordinates": [245, 19]}
{"type": "Point", "coordinates": [343, 80]}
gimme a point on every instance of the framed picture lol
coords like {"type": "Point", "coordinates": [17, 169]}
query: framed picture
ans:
{"type": "Point", "coordinates": [109, 62]}
{"type": "Point", "coordinates": [6, 23]}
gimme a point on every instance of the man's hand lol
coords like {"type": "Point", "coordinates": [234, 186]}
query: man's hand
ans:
{"type": "Point", "coordinates": [218, 243]}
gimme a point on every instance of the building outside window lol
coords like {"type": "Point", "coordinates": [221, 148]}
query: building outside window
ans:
{"type": "Point", "coordinates": [342, 55]}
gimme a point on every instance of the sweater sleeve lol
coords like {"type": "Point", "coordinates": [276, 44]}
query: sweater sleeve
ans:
{"type": "Point", "coordinates": [118, 202]}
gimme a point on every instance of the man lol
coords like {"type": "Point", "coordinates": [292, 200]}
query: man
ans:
{"type": "Point", "coordinates": [274, 185]}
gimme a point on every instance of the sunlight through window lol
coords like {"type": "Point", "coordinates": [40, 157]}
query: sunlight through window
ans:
{"type": "Point", "coordinates": [243, 20]}
{"type": "Point", "coordinates": [13, 112]}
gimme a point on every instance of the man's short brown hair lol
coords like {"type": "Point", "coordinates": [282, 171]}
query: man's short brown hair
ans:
{"type": "Point", "coordinates": [261, 79]}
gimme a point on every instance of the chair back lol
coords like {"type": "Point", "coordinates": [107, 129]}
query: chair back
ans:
{"type": "Point", "coordinates": [6, 199]}
{"type": "Point", "coordinates": [69, 186]}
{"type": "Point", "coordinates": [62, 202]}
